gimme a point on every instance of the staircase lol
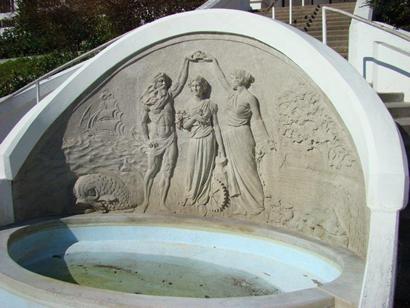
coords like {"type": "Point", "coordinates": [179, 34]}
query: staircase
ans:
{"type": "Point", "coordinates": [308, 18]}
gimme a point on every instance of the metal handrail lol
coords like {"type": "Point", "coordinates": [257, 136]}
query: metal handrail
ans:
{"type": "Point", "coordinates": [358, 18]}
{"type": "Point", "coordinates": [61, 68]}
{"type": "Point", "coordinates": [290, 10]}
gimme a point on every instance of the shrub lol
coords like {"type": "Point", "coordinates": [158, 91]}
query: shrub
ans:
{"type": "Point", "coordinates": [44, 26]}
{"type": "Point", "coordinates": [392, 12]}
{"type": "Point", "coordinates": [15, 74]}
{"type": "Point", "coordinates": [66, 28]}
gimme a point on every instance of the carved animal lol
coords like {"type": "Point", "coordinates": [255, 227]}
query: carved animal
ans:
{"type": "Point", "coordinates": [102, 192]}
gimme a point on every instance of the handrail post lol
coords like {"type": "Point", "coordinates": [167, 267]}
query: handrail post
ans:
{"type": "Point", "coordinates": [324, 30]}
{"type": "Point", "coordinates": [290, 12]}
{"type": "Point", "coordinates": [273, 12]}
{"type": "Point", "coordinates": [38, 91]}
{"type": "Point", "coordinates": [303, 2]}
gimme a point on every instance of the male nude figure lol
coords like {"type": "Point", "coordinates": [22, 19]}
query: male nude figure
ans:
{"type": "Point", "coordinates": [161, 139]}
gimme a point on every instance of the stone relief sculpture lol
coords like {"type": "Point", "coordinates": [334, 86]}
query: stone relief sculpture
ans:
{"type": "Point", "coordinates": [315, 158]}
{"type": "Point", "coordinates": [305, 122]}
{"type": "Point", "coordinates": [205, 140]}
{"type": "Point", "coordinates": [161, 139]}
{"type": "Point", "coordinates": [242, 112]}
{"type": "Point", "coordinates": [103, 193]}
{"type": "Point", "coordinates": [106, 119]}
{"type": "Point", "coordinates": [106, 157]}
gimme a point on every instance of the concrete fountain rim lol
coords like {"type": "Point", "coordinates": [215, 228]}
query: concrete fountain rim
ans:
{"type": "Point", "coordinates": [42, 289]}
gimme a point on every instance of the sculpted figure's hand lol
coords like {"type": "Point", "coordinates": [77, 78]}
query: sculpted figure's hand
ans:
{"type": "Point", "coordinates": [198, 117]}
{"type": "Point", "coordinates": [221, 160]}
{"type": "Point", "coordinates": [210, 58]}
{"type": "Point", "coordinates": [199, 56]}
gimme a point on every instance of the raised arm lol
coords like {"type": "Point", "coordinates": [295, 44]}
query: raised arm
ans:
{"type": "Point", "coordinates": [259, 130]}
{"type": "Point", "coordinates": [183, 75]}
{"type": "Point", "coordinates": [220, 75]}
{"type": "Point", "coordinates": [218, 135]}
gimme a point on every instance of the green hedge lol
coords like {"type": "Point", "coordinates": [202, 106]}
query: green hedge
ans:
{"type": "Point", "coordinates": [392, 12]}
{"type": "Point", "coordinates": [64, 29]}
{"type": "Point", "coordinates": [44, 26]}
{"type": "Point", "coordinates": [15, 74]}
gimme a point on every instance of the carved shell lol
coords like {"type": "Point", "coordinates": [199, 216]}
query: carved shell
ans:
{"type": "Point", "coordinates": [101, 191]}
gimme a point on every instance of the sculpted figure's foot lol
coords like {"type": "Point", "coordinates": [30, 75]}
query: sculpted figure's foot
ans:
{"type": "Point", "coordinates": [144, 206]}
{"type": "Point", "coordinates": [257, 212]}
{"type": "Point", "coordinates": [163, 207]}
{"type": "Point", "coordinates": [185, 202]}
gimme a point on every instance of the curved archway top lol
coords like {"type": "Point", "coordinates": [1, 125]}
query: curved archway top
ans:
{"type": "Point", "coordinates": [371, 127]}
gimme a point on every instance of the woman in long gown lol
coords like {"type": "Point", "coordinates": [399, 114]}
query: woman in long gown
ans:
{"type": "Point", "coordinates": [241, 113]}
{"type": "Point", "coordinates": [201, 122]}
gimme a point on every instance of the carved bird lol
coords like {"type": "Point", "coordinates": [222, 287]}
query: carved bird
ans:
{"type": "Point", "coordinates": [102, 192]}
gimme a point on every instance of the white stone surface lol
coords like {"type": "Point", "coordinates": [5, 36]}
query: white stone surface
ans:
{"type": "Point", "coordinates": [380, 57]}
{"type": "Point", "coordinates": [371, 127]}
{"type": "Point", "coordinates": [380, 274]}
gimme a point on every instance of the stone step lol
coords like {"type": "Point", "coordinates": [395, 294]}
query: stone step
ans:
{"type": "Point", "coordinates": [343, 50]}
{"type": "Point", "coordinates": [346, 7]}
{"type": "Point", "coordinates": [338, 36]}
{"type": "Point", "coordinates": [309, 20]}
{"type": "Point", "coordinates": [333, 43]}
{"type": "Point", "coordinates": [331, 40]}
{"type": "Point", "coordinates": [399, 110]}
{"type": "Point", "coordinates": [282, 13]}
{"type": "Point", "coordinates": [331, 24]}
{"type": "Point", "coordinates": [392, 97]}
{"type": "Point", "coordinates": [315, 31]}
{"type": "Point", "coordinates": [294, 16]}
{"type": "Point", "coordinates": [332, 16]}
{"type": "Point", "coordinates": [318, 33]}
{"type": "Point", "coordinates": [329, 19]}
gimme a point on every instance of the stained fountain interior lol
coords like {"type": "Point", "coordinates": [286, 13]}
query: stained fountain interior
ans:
{"type": "Point", "coordinates": [212, 133]}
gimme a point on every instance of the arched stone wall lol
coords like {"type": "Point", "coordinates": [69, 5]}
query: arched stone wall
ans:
{"type": "Point", "coordinates": [293, 166]}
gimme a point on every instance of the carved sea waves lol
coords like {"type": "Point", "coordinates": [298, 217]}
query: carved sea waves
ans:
{"type": "Point", "coordinates": [89, 153]}
{"type": "Point", "coordinates": [106, 151]}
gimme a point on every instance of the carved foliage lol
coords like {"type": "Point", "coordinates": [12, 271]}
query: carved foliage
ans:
{"type": "Point", "coordinates": [305, 120]}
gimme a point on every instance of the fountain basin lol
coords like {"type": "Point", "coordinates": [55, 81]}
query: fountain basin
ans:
{"type": "Point", "coordinates": [131, 260]}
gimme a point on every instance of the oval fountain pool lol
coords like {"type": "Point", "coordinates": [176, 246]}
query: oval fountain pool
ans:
{"type": "Point", "coordinates": [163, 258]}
